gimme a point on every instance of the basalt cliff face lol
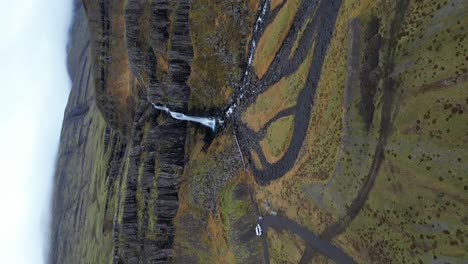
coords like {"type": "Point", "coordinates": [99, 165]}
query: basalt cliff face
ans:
{"type": "Point", "coordinates": [139, 157]}
{"type": "Point", "coordinates": [348, 134]}
{"type": "Point", "coordinates": [121, 162]}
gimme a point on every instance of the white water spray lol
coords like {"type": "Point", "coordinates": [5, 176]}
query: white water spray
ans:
{"type": "Point", "coordinates": [253, 48]}
{"type": "Point", "coordinates": [206, 121]}
{"type": "Point", "coordinates": [211, 121]}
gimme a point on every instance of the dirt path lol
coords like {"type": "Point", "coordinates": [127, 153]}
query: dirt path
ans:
{"type": "Point", "coordinates": [322, 245]}
{"type": "Point", "coordinates": [318, 32]}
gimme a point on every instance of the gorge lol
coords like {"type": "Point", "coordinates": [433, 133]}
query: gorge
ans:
{"type": "Point", "coordinates": [337, 126]}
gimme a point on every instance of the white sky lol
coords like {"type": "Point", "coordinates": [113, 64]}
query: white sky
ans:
{"type": "Point", "coordinates": [33, 93]}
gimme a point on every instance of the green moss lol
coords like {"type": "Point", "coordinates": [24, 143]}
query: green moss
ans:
{"type": "Point", "coordinates": [219, 41]}
{"type": "Point", "coordinates": [238, 214]}
{"type": "Point", "coordinates": [284, 247]}
{"type": "Point", "coordinates": [278, 137]}
{"type": "Point", "coordinates": [153, 196]}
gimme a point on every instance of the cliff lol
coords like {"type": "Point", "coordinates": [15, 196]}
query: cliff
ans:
{"type": "Point", "coordinates": [121, 162]}
{"type": "Point", "coordinates": [351, 131]}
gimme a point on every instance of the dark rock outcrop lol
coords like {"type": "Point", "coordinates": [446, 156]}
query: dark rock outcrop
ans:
{"type": "Point", "coordinates": [135, 37]}
{"type": "Point", "coordinates": [156, 161]}
{"type": "Point", "coordinates": [175, 93]}
{"type": "Point", "coordinates": [120, 159]}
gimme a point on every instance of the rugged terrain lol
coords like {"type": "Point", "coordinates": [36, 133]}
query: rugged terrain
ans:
{"type": "Point", "coordinates": [351, 139]}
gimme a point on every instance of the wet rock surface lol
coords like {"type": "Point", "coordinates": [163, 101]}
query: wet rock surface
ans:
{"type": "Point", "coordinates": [146, 231]}
{"type": "Point", "coordinates": [133, 185]}
{"type": "Point", "coordinates": [121, 160]}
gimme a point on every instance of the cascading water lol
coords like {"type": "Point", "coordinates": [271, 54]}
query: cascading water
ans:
{"type": "Point", "coordinates": [253, 47]}
{"type": "Point", "coordinates": [211, 122]}
{"type": "Point", "coordinates": [206, 121]}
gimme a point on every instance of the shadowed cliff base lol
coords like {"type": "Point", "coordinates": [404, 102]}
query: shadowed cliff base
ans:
{"type": "Point", "coordinates": [350, 119]}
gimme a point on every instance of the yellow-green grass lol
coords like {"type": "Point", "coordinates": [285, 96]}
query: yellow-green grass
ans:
{"type": "Point", "coordinates": [93, 243]}
{"type": "Point", "coordinates": [321, 150]}
{"type": "Point", "coordinates": [212, 29]}
{"type": "Point", "coordinates": [284, 247]}
{"type": "Point", "coordinates": [277, 139]}
{"type": "Point", "coordinates": [253, 5]}
{"type": "Point", "coordinates": [421, 176]}
{"type": "Point", "coordinates": [416, 205]}
{"type": "Point", "coordinates": [238, 214]}
{"type": "Point", "coordinates": [231, 208]}
{"type": "Point", "coordinates": [278, 97]}
{"type": "Point", "coordinates": [273, 37]}
{"type": "Point", "coordinates": [275, 3]}
{"type": "Point", "coordinates": [118, 78]}
{"type": "Point", "coordinates": [256, 159]}
{"type": "Point", "coordinates": [318, 157]}
{"type": "Point", "coordinates": [216, 236]}
{"type": "Point", "coordinates": [321, 259]}
{"type": "Point", "coordinates": [417, 213]}
{"type": "Point", "coordinates": [210, 243]}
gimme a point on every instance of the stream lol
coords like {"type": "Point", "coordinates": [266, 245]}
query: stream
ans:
{"type": "Point", "coordinates": [213, 122]}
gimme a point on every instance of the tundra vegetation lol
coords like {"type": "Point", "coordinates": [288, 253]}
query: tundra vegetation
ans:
{"type": "Point", "coordinates": [357, 131]}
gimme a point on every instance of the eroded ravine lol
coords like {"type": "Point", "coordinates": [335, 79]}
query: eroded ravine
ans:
{"type": "Point", "coordinates": [134, 179]}
{"type": "Point", "coordinates": [144, 228]}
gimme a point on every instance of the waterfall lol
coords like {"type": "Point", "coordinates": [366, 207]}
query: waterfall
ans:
{"type": "Point", "coordinates": [211, 121]}
{"type": "Point", "coordinates": [206, 121]}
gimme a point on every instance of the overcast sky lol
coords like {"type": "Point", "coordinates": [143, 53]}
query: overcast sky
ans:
{"type": "Point", "coordinates": [34, 90]}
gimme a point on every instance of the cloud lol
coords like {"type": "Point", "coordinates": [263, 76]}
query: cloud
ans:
{"type": "Point", "coordinates": [34, 92]}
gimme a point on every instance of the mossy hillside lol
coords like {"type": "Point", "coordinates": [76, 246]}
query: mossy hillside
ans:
{"type": "Point", "coordinates": [239, 217]}
{"type": "Point", "coordinates": [95, 220]}
{"type": "Point", "coordinates": [94, 243]}
{"type": "Point", "coordinates": [219, 32]}
{"type": "Point", "coordinates": [256, 159]}
{"type": "Point", "coordinates": [214, 235]}
{"type": "Point", "coordinates": [190, 242]}
{"type": "Point", "coordinates": [318, 158]}
{"type": "Point", "coordinates": [210, 167]}
{"type": "Point", "coordinates": [423, 157]}
{"type": "Point", "coordinates": [112, 77]}
{"type": "Point", "coordinates": [284, 247]}
{"type": "Point", "coordinates": [208, 170]}
{"type": "Point", "coordinates": [220, 248]}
